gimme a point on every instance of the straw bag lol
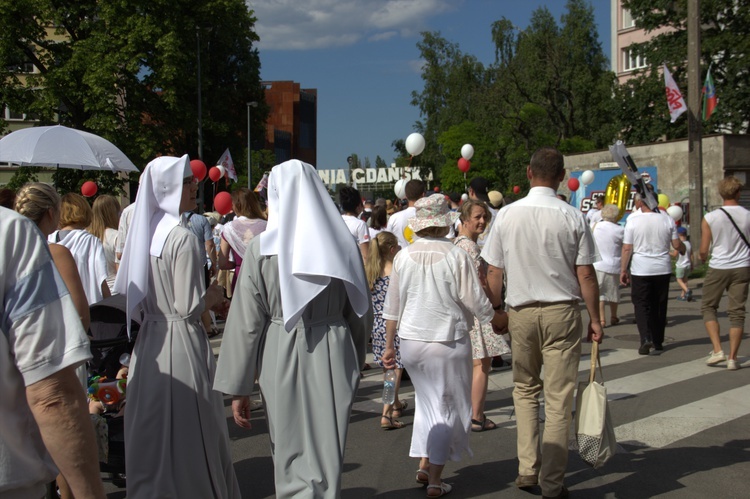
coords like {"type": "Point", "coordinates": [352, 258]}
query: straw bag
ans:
{"type": "Point", "coordinates": [594, 431]}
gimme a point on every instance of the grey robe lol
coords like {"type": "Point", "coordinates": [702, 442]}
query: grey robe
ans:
{"type": "Point", "coordinates": [308, 377]}
{"type": "Point", "coordinates": [176, 437]}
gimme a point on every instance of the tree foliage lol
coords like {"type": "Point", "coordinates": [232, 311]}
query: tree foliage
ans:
{"type": "Point", "coordinates": [725, 44]}
{"type": "Point", "coordinates": [128, 71]}
{"type": "Point", "coordinates": [549, 86]}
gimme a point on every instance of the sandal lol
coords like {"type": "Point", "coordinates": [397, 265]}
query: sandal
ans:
{"type": "Point", "coordinates": [614, 321]}
{"type": "Point", "coordinates": [485, 424]}
{"type": "Point", "coordinates": [393, 424]}
{"type": "Point", "coordinates": [443, 489]}
{"type": "Point", "coordinates": [214, 332]}
{"type": "Point", "coordinates": [423, 476]}
{"type": "Point", "coordinates": [402, 406]}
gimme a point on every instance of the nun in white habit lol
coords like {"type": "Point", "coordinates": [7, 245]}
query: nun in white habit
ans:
{"type": "Point", "coordinates": [176, 437]}
{"type": "Point", "coordinates": [300, 319]}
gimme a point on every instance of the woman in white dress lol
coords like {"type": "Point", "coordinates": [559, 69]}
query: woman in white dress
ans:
{"type": "Point", "coordinates": [299, 319]}
{"type": "Point", "coordinates": [608, 236]}
{"type": "Point", "coordinates": [433, 297]}
{"type": "Point", "coordinates": [176, 438]}
{"type": "Point", "coordinates": [104, 221]}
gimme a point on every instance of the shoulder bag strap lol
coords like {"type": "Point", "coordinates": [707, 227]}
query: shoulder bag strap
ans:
{"type": "Point", "coordinates": [735, 226]}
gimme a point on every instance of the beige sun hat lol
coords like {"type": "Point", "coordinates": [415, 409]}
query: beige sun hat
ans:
{"type": "Point", "coordinates": [496, 199]}
{"type": "Point", "coordinates": [432, 211]}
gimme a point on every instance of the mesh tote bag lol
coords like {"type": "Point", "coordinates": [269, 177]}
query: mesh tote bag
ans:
{"type": "Point", "coordinates": [594, 431]}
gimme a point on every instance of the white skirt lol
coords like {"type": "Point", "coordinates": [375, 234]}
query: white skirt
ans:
{"type": "Point", "coordinates": [441, 375]}
{"type": "Point", "coordinates": [609, 287]}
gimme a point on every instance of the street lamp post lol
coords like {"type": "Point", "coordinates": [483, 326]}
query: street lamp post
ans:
{"type": "Point", "coordinates": [249, 151]}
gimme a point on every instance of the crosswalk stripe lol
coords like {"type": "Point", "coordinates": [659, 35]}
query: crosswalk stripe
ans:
{"type": "Point", "coordinates": [681, 422]}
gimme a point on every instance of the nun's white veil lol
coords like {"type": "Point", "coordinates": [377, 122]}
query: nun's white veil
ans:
{"type": "Point", "coordinates": [311, 240]}
{"type": "Point", "coordinates": [157, 212]}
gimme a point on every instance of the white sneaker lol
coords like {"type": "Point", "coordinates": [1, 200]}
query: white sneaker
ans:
{"type": "Point", "coordinates": [716, 357]}
{"type": "Point", "coordinates": [732, 365]}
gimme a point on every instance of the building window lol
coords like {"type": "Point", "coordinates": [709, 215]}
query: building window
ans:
{"type": "Point", "coordinates": [627, 19]}
{"type": "Point", "coordinates": [11, 115]}
{"type": "Point", "coordinates": [631, 61]}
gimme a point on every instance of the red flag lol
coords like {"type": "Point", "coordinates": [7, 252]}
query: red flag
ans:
{"type": "Point", "coordinates": [675, 101]}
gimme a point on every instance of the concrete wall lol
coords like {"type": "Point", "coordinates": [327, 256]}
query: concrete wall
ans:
{"type": "Point", "coordinates": [722, 155]}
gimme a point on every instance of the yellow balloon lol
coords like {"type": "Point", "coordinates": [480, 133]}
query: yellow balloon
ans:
{"type": "Point", "coordinates": [409, 234]}
{"type": "Point", "coordinates": [618, 193]}
{"type": "Point", "coordinates": [663, 201]}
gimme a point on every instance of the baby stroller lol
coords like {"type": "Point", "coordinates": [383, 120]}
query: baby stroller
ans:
{"type": "Point", "coordinates": [110, 346]}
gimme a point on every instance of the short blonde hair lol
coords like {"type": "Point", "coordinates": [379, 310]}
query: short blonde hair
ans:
{"type": "Point", "coordinates": [469, 205]}
{"type": "Point", "coordinates": [610, 212]}
{"type": "Point", "coordinates": [35, 199]}
{"type": "Point", "coordinates": [75, 211]}
{"type": "Point", "coordinates": [729, 187]}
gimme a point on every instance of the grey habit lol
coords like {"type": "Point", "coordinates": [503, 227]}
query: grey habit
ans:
{"type": "Point", "coordinates": [176, 437]}
{"type": "Point", "coordinates": [308, 377]}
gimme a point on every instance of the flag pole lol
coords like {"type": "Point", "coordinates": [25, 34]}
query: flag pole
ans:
{"type": "Point", "coordinates": [695, 145]}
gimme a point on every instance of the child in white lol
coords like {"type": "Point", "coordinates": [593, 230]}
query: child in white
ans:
{"type": "Point", "coordinates": [683, 266]}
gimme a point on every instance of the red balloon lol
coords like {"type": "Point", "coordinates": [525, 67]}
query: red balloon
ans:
{"type": "Point", "coordinates": [222, 202]}
{"type": "Point", "coordinates": [573, 184]}
{"type": "Point", "coordinates": [516, 189]}
{"type": "Point", "coordinates": [214, 174]}
{"type": "Point", "coordinates": [436, 189]}
{"type": "Point", "coordinates": [464, 165]}
{"type": "Point", "coordinates": [199, 169]}
{"type": "Point", "coordinates": [89, 188]}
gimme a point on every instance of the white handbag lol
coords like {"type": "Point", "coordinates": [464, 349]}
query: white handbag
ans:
{"type": "Point", "coordinates": [594, 431]}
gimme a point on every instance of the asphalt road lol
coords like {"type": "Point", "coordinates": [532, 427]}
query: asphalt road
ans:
{"type": "Point", "coordinates": [683, 428]}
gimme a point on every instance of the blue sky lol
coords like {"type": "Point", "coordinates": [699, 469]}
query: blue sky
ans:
{"type": "Point", "coordinates": [361, 56]}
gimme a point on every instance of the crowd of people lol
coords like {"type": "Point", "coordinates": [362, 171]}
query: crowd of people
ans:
{"type": "Point", "coordinates": [434, 284]}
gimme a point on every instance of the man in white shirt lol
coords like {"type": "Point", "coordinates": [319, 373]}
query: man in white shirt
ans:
{"type": "Point", "coordinates": [725, 232]}
{"type": "Point", "coordinates": [351, 207]}
{"type": "Point", "coordinates": [595, 214]}
{"type": "Point", "coordinates": [546, 248]}
{"type": "Point", "coordinates": [399, 221]}
{"type": "Point", "coordinates": [647, 239]}
{"type": "Point", "coordinates": [44, 421]}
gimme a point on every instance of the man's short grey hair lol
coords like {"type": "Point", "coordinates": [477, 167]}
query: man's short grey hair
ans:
{"type": "Point", "coordinates": [610, 212]}
{"type": "Point", "coordinates": [637, 198]}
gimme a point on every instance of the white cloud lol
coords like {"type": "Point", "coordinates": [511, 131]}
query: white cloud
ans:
{"type": "Point", "coordinates": [313, 24]}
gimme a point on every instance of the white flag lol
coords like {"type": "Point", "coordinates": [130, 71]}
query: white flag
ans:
{"type": "Point", "coordinates": [675, 101]}
{"type": "Point", "coordinates": [226, 161]}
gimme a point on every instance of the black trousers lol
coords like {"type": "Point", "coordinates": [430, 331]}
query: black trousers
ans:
{"type": "Point", "coordinates": [650, 296]}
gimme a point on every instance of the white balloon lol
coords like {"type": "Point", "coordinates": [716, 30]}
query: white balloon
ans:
{"type": "Point", "coordinates": [414, 144]}
{"type": "Point", "coordinates": [467, 151]}
{"type": "Point", "coordinates": [221, 169]}
{"type": "Point", "coordinates": [587, 177]}
{"type": "Point", "coordinates": [675, 212]}
{"type": "Point", "coordinates": [400, 188]}
{"type": "Point", "coordinates": [464, 197]}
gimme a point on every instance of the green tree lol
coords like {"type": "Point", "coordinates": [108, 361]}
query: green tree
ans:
{"type": "Point", "coordinates": [725, 43]}
{"type": "Point", "coordinates": [482, 163]}
{"type": "Point", "coordinates": [128, 71]}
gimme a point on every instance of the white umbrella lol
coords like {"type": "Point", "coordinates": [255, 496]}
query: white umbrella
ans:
{"type": "Point", "coordinates": [62, 147]}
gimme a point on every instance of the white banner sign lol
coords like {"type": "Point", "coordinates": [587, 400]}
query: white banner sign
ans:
{"type": "Point", "coordinates": [364, 176]}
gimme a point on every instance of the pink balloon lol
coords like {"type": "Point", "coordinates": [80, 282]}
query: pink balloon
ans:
{"type": "Point", "coordinates": [223, 202]}
{"type": "Point", "coordinates": [214, 174]}
{"type": "Point", "coordinates": [89, 188]}
{"type": "Point", "coordinates": [464, 165]}
{"type": "Point", "coordinates": [199, 169]}
{"type": "Point", "coordinates": [573, 184]}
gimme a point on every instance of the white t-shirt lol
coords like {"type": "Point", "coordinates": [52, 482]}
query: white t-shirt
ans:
{"type": "Point", "coordinates": [608, 237]}
{"type": "Point", "coordinates": [539, 240]}
{"type": "Point", "coordinates": [358, 228]}
{"type": "Point", "coordinates": [88, 253]}
{"type": "Point", "coordinates": [41, 334]}
{"type": "Point", "coordinates": [434, 292]}
{"type": "Point", "coordinates": [124, 226]}
{"type": "Point", "coordinates": [110, 245]}
{"type": "Point", "coordinates": [728, 250]}
{"type": "Point", "coordinates": [683, 261]}
{"type": "Point", "coordinates": [594, 215]}
{"type": "Point", "coordinates": [398, 222]}
{"type": "Point", "coordinates": [651, 235]}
